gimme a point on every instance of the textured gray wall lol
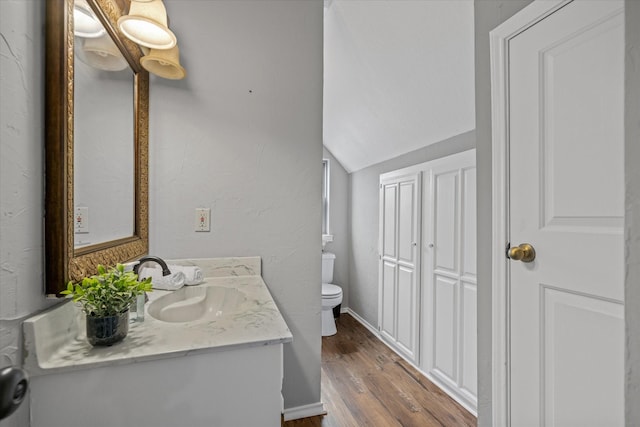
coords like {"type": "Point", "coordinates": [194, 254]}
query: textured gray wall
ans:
{"type": "Point", "coordinates": [242, 135]}
{"type": "Point", "coordinates": [632, 216]}
{"type": "Point", "coordinates": [21, 176]}
{"type": "Point", "coordinates": [363, 271]}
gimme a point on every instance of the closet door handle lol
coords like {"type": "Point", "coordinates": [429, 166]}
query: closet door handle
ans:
{"type": "Point", "coordinates": [523, 252]}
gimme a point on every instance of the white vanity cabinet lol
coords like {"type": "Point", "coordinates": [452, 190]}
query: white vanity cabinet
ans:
{"type": "Point", "coordinates": [240, 388]}
{"type": "Point", "coordinates": [220, 369]}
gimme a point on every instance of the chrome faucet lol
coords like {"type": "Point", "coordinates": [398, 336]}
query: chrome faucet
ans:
{"type": "Point", "coordinates": [157, 260]}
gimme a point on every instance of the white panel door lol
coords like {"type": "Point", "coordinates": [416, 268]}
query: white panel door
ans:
{"type": "Point", "coordinates": [567, 199]}
{"type": "Point", "coordinates": [399, 262]}
{"type": "Point", "coordinates": [449, 253]}
{"type": "Point", "coordinates": [388, 275]}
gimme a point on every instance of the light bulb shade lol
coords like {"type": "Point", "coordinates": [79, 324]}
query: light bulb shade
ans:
{"type": "Point", "coordinates": [164, 63]}
{"type": "Point", "coordinates": [146, 24]}
{"type": "Point", "coordinates": [102, 53]}
{"type": "Point", "coordinates": [85, 22]}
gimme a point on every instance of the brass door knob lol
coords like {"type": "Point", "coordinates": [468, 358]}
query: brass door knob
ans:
{"type": "Point", "coordinates": [524, 253]}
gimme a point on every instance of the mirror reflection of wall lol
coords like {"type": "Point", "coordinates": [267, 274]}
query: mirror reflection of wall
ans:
{"type": "Point", "coordinates": [103, 140]}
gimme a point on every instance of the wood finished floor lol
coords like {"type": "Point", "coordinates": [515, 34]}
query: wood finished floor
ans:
{"type": "Point", "coordinates": [364, 383]}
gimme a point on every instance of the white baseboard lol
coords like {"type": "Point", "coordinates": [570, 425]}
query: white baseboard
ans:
{"type": "Point", "coordinates": [378, 335]}
{"type": "Point", "coordinates": [464, 401]}
{"type": "Point", "coordinates": [364, 323]}
{"type": "Point", "coordinates": [304, 411]}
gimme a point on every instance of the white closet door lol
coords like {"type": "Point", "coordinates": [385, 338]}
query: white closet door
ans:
{"type": "Point", "coordinates": [399, 262]}
{"type": "Point", "coordinates": [450, 284]}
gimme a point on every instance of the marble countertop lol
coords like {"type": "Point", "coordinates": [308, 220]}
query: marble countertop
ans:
{"type": "Point", "coordinates": [55, 341]}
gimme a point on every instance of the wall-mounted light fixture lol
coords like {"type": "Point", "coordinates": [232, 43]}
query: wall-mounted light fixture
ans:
{"type": "Point", "coordinates": [164, 63]}
{"type": "Point", "coordinates": [85, 22]}
{"type": "Point", "coordinates": [146, 24]}
{"type": "Point", "coordinates": [101, 53]}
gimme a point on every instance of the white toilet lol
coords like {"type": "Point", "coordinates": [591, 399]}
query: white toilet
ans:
{"type": "Point", "coordinates": [331, 295]}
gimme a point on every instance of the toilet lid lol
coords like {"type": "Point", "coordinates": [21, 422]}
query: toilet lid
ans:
{"type": "Point", "coordinates": [329, 290]}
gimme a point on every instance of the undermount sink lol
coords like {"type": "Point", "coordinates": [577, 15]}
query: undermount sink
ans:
{"type": "Point", "coordinates": [197, 302]}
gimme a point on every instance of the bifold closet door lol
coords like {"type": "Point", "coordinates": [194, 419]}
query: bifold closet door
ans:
{"type": "Point", "coordinates": [449, 350]}
{"type": "Point", "coordinates": [399, 269]}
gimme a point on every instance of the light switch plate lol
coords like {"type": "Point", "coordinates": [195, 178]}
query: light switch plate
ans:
{"type": "Point", "coordinates": [81, 220]}
{"type": "Point", "coordinates": [203, 219]}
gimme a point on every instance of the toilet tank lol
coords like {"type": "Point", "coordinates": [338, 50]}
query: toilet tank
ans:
{"type": "Point", "coordinates": [327, 267]}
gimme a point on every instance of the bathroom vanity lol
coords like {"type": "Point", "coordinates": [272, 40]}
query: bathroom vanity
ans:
{"type": "Point", "coordinates": [218, 363]}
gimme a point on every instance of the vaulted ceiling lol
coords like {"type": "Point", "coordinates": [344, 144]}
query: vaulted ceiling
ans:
{"type": "Point", "coordinates": [398, 75]}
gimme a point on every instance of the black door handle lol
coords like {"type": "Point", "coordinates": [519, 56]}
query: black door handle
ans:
{"type": "Point", "coordinates": [14, 384]}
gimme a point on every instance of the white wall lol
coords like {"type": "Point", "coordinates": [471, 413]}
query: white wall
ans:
{"type": "Point", "coordinates": [21, 175]}
{"type": "Point", "coordinates": [632, 202]}
{"type": "Point", "coordinates": [339, 226]}
{"type": "Point", "coordinates": [398, 76]}
{"type": "Point", "coordinates": [242, 135]}
{"type": "Point", "coordinates": [21, 157]}
{"type": "Point", "coordinates": [364, 191]}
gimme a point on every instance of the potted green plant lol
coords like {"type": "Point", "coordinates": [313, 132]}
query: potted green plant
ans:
{"type": "Point", "coordinates": [105, 299]}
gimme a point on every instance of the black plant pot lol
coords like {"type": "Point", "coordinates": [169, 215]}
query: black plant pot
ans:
{"type": "Point", "coordinates": [107, 330]}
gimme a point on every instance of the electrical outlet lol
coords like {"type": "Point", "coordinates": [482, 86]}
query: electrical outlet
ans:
{"type": "Point", "coordinates": [81, 220]}
{"type": "Point", "coordinates": [203, 219]}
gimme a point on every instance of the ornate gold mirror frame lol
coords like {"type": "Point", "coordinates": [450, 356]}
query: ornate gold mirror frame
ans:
{"type": "Point", "coordinates": [63, 262]}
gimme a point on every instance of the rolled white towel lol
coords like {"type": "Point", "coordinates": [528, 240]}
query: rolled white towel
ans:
{"type": "Point", "coordinates": [193, 274]}
{"type": "Point", "coordinates": [172, 282]}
